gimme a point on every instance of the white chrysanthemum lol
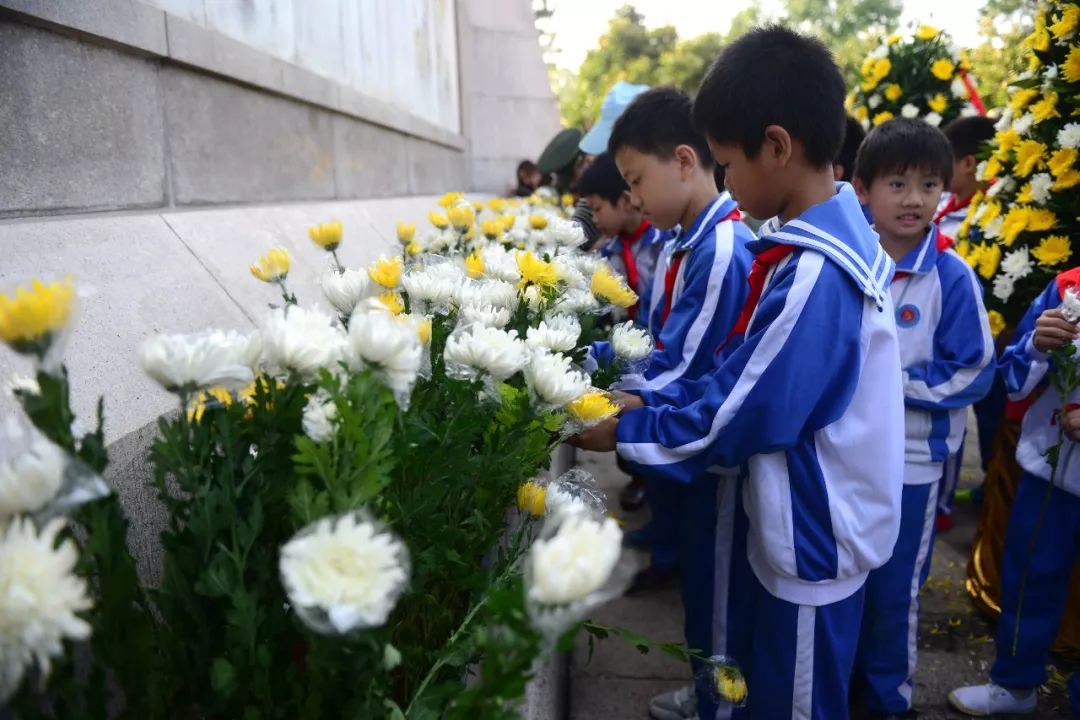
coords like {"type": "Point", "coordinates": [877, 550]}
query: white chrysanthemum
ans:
{"type": "Point", "coordinates": [569, 274]}
{"type": "Point", "coordinates": [874, 101]}
{"type": "Point", "coordinates": [1040, 187]}
{"type": "Point", "coordinates": [589, 263]}
{"type": "Point", "coordinates": [968, 111]}
{"type": "Point", "coordinates": [879, 52]}
{"type": "Point", "coordinates": [320, 417]}
{"type": "Point", "coordinates": [576, 302]}
{"type": "Point", "coordinates": [565, 233]}
{"type": "Point", "coordinates": [498, 353]}
{"type": "Point", "coordinates": [496, 293]}
{"type": "Point", "coordinates": [933, 118]}
{"type": "Point", "coordinates": [553, 380]}
{"type": "Point", "coordinates": [40, 595]}
{"type": "Point", "coordinates": [344, 573]}
{"type": "Point", "coordinates": [1023, 124]}
{"type": "Point", "coordinates": [1017, 263]}
{"type": "Point", "coordinates": [500, 264]}
{"type": "Point", "coordinates": [631, 342]}
{"type": "Point", "coordinates": [533, 297]}
{"type": "Point", "coordinates": [1070, 305]}
{"type": "Point", "coordinates": [387, 344]}
{"type": "Point", "coordinates": [1050, 74]}
{"type": "Point", "coordinates": [487, 316]}
{"type": "Point", "coordinates": [432, 288]}
{"type": "Point", "coordinates": [980, 169]}
{"type": "Point", "coordinates": [1069, 136]}
{"type": "Point", "coordinates": [30, 479]}
{"type": "Point", "coordinates": [959, 89]}
{"type": "Point", "coordinates": [1003, 287]}
{"type": "Point", "coordinates": [301, 340]}
{"type": "Point", "coordinates": [1004, 185]}
{"type": "Point", "coordinates": [22, 384]}
{"type": "Point", "coordinates": [557, 499]}
{"type": "Point", "coordinates": [1005, 121]}
{"type": "Point", "coordinates": [992, 231]}
{"type": "Point", "coordinates": [201, 360]}
{"type": "Point", "coordinates": [557, 333]}
{"type": "Point", "coordinates": [575, 562]}
{"type": "Point", "coordinates": [909, 111]}
{"type": "Point", "coordinates": [343, 290]}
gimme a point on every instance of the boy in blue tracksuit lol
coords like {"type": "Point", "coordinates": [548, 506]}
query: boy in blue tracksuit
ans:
{"type": "Point", "coordinates": [700, 287]}
{"type": "Point", "coordinates": [814, 385]}
{"type": "Point", "coordinates": [946, 352]}
{"type": "Point", "coordinates": [1042, 542]}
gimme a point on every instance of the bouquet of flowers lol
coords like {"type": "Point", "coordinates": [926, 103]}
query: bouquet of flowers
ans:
{"type": "Point", "coordinates": [1017, 233]}
{"type": "Point", "coordinates": [923, 76]}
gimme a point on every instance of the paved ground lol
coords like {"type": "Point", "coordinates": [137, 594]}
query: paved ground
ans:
{"type": "Point", "coordinates": [955, 644]}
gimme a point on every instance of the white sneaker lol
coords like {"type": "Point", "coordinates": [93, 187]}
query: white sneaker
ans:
{"type": "Point", "coordinates": [678, 704]}
{"type": "Point", "coordinates": [991, 699]}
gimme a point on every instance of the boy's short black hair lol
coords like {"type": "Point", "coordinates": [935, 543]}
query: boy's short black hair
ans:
{"type": "Point", "coordinates": [853, 138]}
{"type": "Point", "coordinates": [901, 144]}
{"type": "Point", "coordinates": [602, 178]}
{"type": "Point", "coordinates": [968, 134]}
{"type": "Point", "coordinates": [657, 122]}
{"type": "Point", "coordinates": [774, 76]}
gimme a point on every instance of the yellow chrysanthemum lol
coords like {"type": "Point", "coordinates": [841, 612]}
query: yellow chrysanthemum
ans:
{"type": "Point", "coordinates": [1069, 179]}
{"type": "Point", "coordinates": [567, 200]}
{"type": "Point", "coordinates": [992, 169]}
{"type": "Point", "coordinates": [893, 92]}
{"type": "Point", "coordinates": [1062, 161]}
{"type": "Point", "coordinates": [882, 66]}
{"type": "Point", "coordinates": [491, 228]}
{"type": "Point", "coordinates": [438, 219]}
{"type": "Point", "coordinates": [730, 685]}
{"type": "Point", "coordinates": [450, 199]}
{"type": "Point", "coordinates": [1020, 99]}
{"type": "Point", "coordinates": [30, 317]}
{"type": "Point", "coordinates": [1046, 108]}
{"type": "Point", "coordinates": [973, 255]}
{"type": "Point", "coordinates": [1052, 250]}
{"type": "Point", "coordinates": [393, 302]}
{"type": "Point", "coordinates": [532, 499]}
{"type": "Point", "coordinates": [943, 69]}
{"type": "Point", "coordinates": [273, 266]}
{"type": "Point", "coordinates": [508, 222]}
{"type": "Point", "coordinates": [867, 68]}
{"type": "Point", "coordinates": [461, 216]}
{"type": "Point", "coordinates": [538, 222]}
{"type": "Point", "coordinates": [1016, 221]}
{"type": "Point", "coordinates": [474, 266]}
{"type": "Point", "coordinates": [1070, 69]}
{"type": "Point", "coordinates": [892, 39]}
{"type": "Point", "coordinates": [592, 407]}
{"type": "Point", "coordinates": [386, 272]}
{"type": "Point", "coordinates": [849, 102]}
{"type": "Point", "coordinates": [1038, 40]}
{"type": "Point", "coordinates": [927, 32]}
{"type": "Point", "coordinates": [1024, 196]}
{"type": "Point", "coordinates": [326, 235]}
{"type": "Point", "coordinates": [997, 322]}
{"type": "Point", "coordinates": [497, 205]}
{"type": "Point", "coordinates": [963, 248]}
{"type": "Point", "coordinates": [535, 271]}
{"type": "Point", "coordinates": [217, 396]}
{"type": "Point", "coordinates": [883, 116]}
{"type": "Point", "coordinates": [1040, 219]}
{"type": "Point", "coordinates": [612, 288]}
{"type": "Point", "coordinates": [1065, 25]}
{"type": "Point", "coordinates": [1029, 156]}
{"type": "Point", "coordinates": [991, 212]}
{"type": "Point", "coordinates": [406, 232]}
{"type": "Point", "coordinates": [989, 259]}
{"type": "Point", "coordinates": [938, 103]}
{"type": "Point", "coordinates": [414, 248]}
{"type": "Point", "coordinates": [470, 233]}
{"type": "Point", "coordinates": [1004, 142]}
{"type": "Point", "coordinates": [861, 113]}
{"type": "Point", "coordinates": [423, 330]}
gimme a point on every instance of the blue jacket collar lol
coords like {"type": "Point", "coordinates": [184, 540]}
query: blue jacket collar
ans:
{"type": "Point", "coordinates": [922, 258]}
{"type": "Point", "coordinates": [716, 211]}
{"type": "Point", "coordinates": [838, 230]}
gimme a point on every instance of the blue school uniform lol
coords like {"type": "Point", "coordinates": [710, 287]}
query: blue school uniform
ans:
{"type": "Point", "coordinates": [1044, 518]}
{"type": "Point", "coordinates": [815, 381]}
{"type": "Point", "coordinates": [946, 352]}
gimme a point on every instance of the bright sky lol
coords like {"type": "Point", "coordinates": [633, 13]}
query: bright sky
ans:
{"type": "Point", "coordinates": [578, 23]}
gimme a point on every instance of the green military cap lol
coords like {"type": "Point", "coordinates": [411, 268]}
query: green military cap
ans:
{"type": "Point", "coordinates": [561, 151]}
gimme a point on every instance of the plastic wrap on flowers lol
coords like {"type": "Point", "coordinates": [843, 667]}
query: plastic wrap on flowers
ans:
{"type": "Point", "coordinates": [575, 491]}
{"type": "Point", "coordinates": [589, 410]}
{"type": "Point", "coordinates": [553, 380]}
{"type": "Point", "coordinates": [35, 320]}
{"type": "Point", "coordinates": [344, 573]}
{"type": "Point", "coordinates": [38, 478]}
{"type": "Point", "coordinates": [432, 285]}
{"type": "Point", "coordinates": [722, 678]}
{"type": "Point", "coordinates": [573, 567]}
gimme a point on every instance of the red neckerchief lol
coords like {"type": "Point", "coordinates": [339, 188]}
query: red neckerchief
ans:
{"type": "Point", "coordinates": [953, 205]}
{"type": "Point", "coordinates": [763, 262]}
{"type": "Point", "coordinates": [944, 242]}
{"type": "Point", "coordinates": [633, 275]}
{"type": "Point", "coordinates": [673, 273]}
{"type": "Point", "coordinates": [1068, 279]}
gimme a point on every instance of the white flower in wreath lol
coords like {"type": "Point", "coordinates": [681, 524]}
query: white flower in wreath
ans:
{"type": "Point", "coordinates": [552, 379]}
{"type": "Point", "coordinates": [557, 333]}
{"type": "Point", "coordinates": [1004, 185]}
{"type": "Point", "coordinates": [959, 89]}
{"type": "Point", "coordinates": [40, 598]}
{"type": "Point", "coordinates": [968, 111]}
{"type": "Point", "coordinates": [30, 478]}
{"type": "Point", "coordinates": [1023, 124]}
{"type": "Point", "coordinates": [933, 118]}
{"type": "Point", "coordinates": [320, 417]}
{"type": "Point", "coordinates": [344, 573]}
{"type": "Point", "coordinates": [631, 342]}
{"type": "Point", "coordinates": [909, 111]}
{"type": "Point", "coordinates": [879, 52]}
{"type": "Point", "coordinates": [1069, 136]}
{"type": "Point", "coordinates": [1017, 264]}
{"type": "Point", "coordinates": [1005, 121]}
{"type": "Point", "coordinates": [1041, 183]}
{"type": "Point", "coordinates": [1003, 287]}
{"type": "Point", "coordinates": [1050, 74]}
{"type": "Point", "coordinates": [993, 230]}
{"type": "Point", "coordinates": [201, 360]}
{"type": "Point", "coordinates": [498, 353]}
{"type": "Point", "coordinates": [874, 101]}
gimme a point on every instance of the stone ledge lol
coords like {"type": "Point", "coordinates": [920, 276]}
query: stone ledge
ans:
{"type": "Point", "coordinates": [133, 24]}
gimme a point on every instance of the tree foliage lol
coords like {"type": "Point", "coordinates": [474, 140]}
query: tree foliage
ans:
{"type": "Point", "coordinates": [1000, 55]}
